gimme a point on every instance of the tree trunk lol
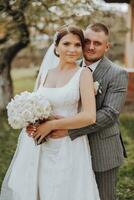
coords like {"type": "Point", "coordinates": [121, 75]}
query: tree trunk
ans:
{"type": "Point", "coordinates": [9, 51]}
{"type": "Point", "coordinates": [6, 89]}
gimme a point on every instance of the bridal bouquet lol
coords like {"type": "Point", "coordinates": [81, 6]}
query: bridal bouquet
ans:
{"type": "Point", "coordinates": [28, 108]}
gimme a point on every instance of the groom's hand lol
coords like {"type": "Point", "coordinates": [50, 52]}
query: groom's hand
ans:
{"type": "Point", "coordinates": [58, 134]}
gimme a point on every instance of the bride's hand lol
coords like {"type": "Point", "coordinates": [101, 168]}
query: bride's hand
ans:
{"type": "Point", "coordinates": [42, 131]}
{"type": "Point", "coordinates": [30, 129]}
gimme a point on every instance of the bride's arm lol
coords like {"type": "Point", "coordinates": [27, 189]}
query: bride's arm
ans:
{"type": "Point", "coordinates": [88, 114]}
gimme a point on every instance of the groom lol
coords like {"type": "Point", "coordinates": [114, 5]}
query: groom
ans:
{"type": "Point", "coordinates": [104, 136]}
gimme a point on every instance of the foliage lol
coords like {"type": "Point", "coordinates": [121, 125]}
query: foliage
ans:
{"type": "Point", "coordinates": [14, 34]}
{"type": "Point", "coordinates": [22, 21]}
{"type": "Point", "coordinates": [12, 19]}
{"type": "Point", "coordinates": [8, 141]}
{"type": "Point", "coordinates": [43, 17]}
{"type": "Point", "coordinates": [81, 13]}
{"type": "Point", "coordinates": [126, 181]}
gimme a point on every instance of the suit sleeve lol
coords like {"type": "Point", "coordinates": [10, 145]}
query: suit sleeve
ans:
{"type": "Point", "coordinates": [111, 107]}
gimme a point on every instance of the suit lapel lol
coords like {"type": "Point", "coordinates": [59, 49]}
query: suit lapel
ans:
{"type": "Point", "coordinates": [101, 69]}
{"type": "Point", "coordinates": [81, 63]}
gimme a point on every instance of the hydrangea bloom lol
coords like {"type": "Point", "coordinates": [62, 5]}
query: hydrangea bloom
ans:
{"type": "Point", "coordinates": [27, 108]}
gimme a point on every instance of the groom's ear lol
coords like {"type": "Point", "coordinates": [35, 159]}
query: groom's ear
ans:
{"type": "Point", "coordinates": [108, 46]}
{"type": "Point", "coordinates": [84, 33]}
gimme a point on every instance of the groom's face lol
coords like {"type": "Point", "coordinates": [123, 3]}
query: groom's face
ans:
{"type": "Point", "coordinates": [96, 45]}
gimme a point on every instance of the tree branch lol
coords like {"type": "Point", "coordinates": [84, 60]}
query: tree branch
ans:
{"type": "Point", "coordinates": [21, 27]}
{"type": "Point", "coordinates": [4, 39]}
{"type": "Point", "coordinates": [23, 4]}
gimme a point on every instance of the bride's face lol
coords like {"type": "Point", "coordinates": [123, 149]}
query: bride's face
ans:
{"type": "Point", "coordinates": [69, 48]}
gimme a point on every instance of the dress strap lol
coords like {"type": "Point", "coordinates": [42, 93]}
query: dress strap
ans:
{"type": "Point", "coordinates": [77, 75]}
{"type": "Point", "coordinates": [43, 78]}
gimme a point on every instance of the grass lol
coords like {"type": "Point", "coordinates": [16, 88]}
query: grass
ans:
{"type": "Point", "coordinates": [126, 175]}
{"type": "Point", "coordinates": [8, 141]}
{"type": "Point", "coordinates": [24, 80]}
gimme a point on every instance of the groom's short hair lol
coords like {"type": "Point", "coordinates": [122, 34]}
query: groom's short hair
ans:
{"type": "Point", "coordinates": [98, 27]}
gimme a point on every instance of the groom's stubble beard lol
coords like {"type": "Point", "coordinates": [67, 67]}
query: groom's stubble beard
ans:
{"type": "Point", "coordinates": [92, 56]}
{"type": "Point", "coordinates": [92, 60]}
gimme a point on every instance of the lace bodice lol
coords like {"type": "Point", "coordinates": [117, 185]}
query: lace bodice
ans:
{"type": "Point", "coordinates": [64, 100]}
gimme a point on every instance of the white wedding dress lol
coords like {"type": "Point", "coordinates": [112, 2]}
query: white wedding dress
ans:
{"type": "Point", "coordinates": [59, 169]}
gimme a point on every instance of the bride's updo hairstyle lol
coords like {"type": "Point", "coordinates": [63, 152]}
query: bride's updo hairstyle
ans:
{"type": "Point", "coordinates": [66, 29]}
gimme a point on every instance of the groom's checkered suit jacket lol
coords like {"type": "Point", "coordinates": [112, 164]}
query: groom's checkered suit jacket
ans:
{"type": "Point", "coordinates": [105, 141]}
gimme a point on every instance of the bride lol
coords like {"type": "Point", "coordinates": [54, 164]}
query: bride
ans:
{"type": "Point", "coordinates": [58, 169]}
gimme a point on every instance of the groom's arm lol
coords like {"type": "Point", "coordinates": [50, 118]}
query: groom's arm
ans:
{"type": "Point", "coordinates": [113, 102]}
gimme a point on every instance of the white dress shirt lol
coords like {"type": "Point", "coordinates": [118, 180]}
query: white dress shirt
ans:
{"type": "Point", "coordinates": [92, 66]}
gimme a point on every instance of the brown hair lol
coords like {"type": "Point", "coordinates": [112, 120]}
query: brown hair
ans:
{"type": "Point", "coordinates": [64, 30]}
{"type": "Point", "coordinates": [98, 27]}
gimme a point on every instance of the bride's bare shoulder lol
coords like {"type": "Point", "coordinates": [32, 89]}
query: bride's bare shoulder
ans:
{"type": "Point", "coordinates": [86, 77]}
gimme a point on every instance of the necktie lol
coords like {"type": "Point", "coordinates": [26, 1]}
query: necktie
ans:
{"type": "Point", "coordinates": [88, 68]}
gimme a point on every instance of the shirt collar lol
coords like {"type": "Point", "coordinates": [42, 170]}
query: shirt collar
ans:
{"type": "Point", "coordinates": [92, 66]}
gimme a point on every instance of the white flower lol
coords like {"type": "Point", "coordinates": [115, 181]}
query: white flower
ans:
{"type": "Point", "coordinates": [97, 88]}
{"type": "Point", "coordinates": [27, 108]}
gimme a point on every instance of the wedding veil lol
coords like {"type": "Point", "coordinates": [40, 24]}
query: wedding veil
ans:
{"type": "Point", "coordinates": [50, 61]}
